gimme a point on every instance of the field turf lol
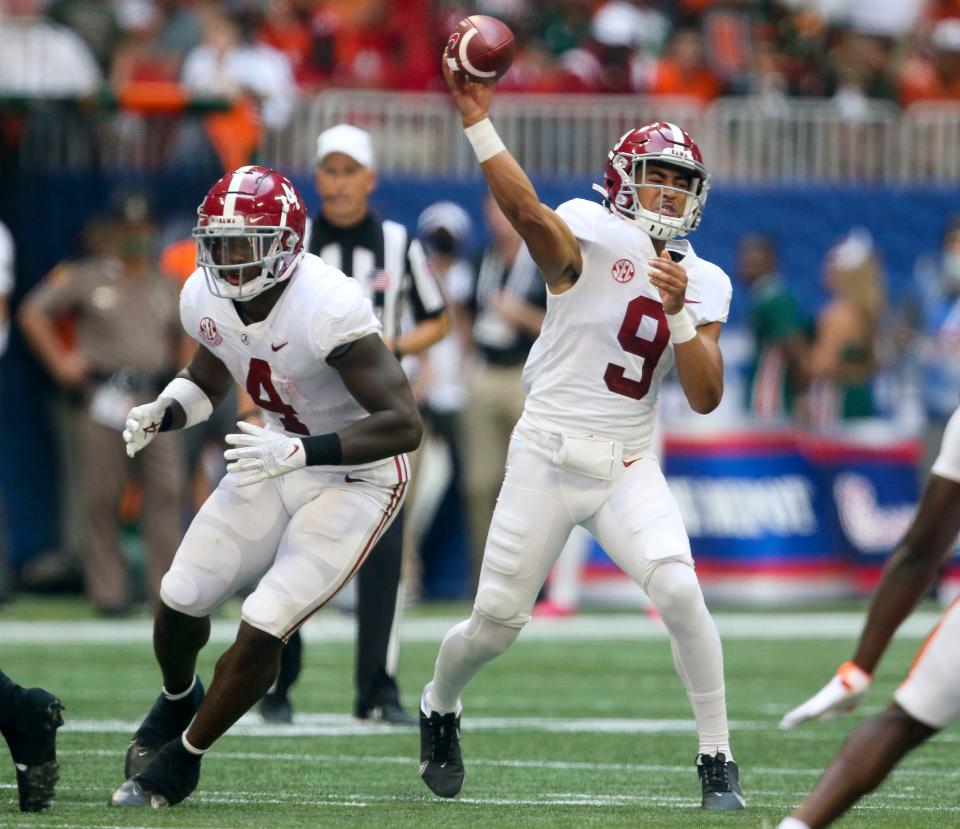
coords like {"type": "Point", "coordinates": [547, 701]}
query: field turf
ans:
{"type": "Point", "coordinates": [582, 724]}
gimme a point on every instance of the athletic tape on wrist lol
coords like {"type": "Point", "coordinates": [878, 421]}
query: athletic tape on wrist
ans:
{"type": "Point", "coordinates": [484, 140]}
{"type": "Point", "coordinates": [681, 326]}
{"type": "Point", "coordinates": [192, 399]}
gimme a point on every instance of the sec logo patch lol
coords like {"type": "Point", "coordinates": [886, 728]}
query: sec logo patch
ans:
{"type": "Point", "coordinates": [209, 333]}
{"type": "Point", "coordinates": [623, 270]}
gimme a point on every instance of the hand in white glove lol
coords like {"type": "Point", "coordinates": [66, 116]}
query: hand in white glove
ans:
{"type": "Point", "coordinates": [143, 424]}
{"type": "Point", "coordinates": [839, 696]}
{"type": "Point", "coordinates": [262, 453]}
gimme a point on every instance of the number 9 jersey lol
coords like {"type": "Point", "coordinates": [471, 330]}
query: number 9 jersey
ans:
{"type": "Point", "coordinates": [282, 361]}
{"type": "Point", "coordinates": [605, 346]}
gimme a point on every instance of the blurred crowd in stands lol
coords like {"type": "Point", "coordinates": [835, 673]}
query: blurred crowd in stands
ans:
{"type": "Point", "coordinates": [148, 53]}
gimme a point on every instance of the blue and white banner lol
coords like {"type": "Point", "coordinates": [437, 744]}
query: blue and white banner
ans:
{"type": "Point", "coordinates": [788, 514]}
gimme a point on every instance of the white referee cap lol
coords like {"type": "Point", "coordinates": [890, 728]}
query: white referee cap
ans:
{"type": "Point", "coordinates": [349, 140]}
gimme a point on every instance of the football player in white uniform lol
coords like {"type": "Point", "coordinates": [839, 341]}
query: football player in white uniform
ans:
{"type": "Point", "coordinates": [626, 300]}
{"type": "Point", "coordinates": [304, 500]}
{"type": "Point", "coordinates": [928, 699]}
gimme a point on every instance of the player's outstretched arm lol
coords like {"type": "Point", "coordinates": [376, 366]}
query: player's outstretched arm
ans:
{"type": "Point", "coordinates": [188, 399]}
{"type": "Point", "coordinates": [549, 240]}
{"type": "Point", "coordinates": [907, 574]}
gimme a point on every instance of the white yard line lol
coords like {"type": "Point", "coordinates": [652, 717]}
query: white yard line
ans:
{"type": "Point", "coordinates": [557, 765]}
{"type": "Point", "coordinates": [342, 725]}
{"type": "Point", "coordinates": [332, 627]}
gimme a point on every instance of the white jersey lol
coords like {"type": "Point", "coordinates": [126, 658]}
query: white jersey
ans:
{"type": "Point", "coordinates": [282, 361]}
{"type": "Point", "coordinates": [605, 346]}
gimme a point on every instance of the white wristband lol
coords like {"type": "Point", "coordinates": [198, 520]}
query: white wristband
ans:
{"type": "Point", "coordinates": [484, 140]}
{"type": "Point", "coordinates": [681, 327]}
{"type": "Point", "coordinates": [192, 399]}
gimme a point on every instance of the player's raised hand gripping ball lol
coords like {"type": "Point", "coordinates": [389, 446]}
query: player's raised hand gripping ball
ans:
{"type": "Point", "coordinates": [481, 47]}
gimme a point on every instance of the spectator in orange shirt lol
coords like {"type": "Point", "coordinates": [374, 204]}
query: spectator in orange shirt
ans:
{"type": "Point", "coordinates": [936, 79]}
{"type": "Point", "coordinates": [684, 71]}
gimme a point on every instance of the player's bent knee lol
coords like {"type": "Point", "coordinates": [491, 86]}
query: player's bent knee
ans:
{"type": "Point", "coordinates": [491, 638]}
{"type": "Point", "coordinates": [179, 591]}
{"type": "Point", "coordinates": [674, 589]}
{"type": "Point", "coordinates": [913, 730]}
{"type": "Point", "coordinates": [191, 591]}
{"type": "Point", "coordinates": [502, 605]}
{"type": "Point", "coordinates": [265, 612]}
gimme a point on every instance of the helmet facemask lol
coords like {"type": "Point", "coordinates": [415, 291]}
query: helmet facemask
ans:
{"type": "Point", "coordinates": [659, 222]}
{"type": "Point", "coordinates": [241, 261]}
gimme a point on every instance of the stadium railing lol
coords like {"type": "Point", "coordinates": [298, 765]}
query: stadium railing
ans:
{"type": "Point", "coordinates": [748, 140]}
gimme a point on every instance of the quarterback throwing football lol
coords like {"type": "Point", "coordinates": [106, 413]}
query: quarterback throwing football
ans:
{"type": "Point", "coordinates": [626, 301]}
{"type": "Point", "coordinates": [305, 499]}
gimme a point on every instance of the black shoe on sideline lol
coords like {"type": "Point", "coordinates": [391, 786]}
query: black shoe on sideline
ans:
{"type": "Point", "coordinates": [276, 707]}
{"type": "Point", "coordinates": [391, 713]}
{"type": "Point", "coordinates": [720, 783]}
{"type": "Point", "coordinates": [166, 720]}
{"type": "Point", "coordinates": [441, 765]}
{"type": "Point", "coordinates": [32, 737]}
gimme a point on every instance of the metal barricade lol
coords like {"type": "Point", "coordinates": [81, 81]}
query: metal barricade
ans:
{"type": "Point", "coordinates": [744, 140]}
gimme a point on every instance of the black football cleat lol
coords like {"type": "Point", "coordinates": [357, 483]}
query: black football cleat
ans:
{"type": "Point", "coordinates": [170, 776]}
{"type": "Point", "coordinates": [32, 737]}
{"type": "Point", "coordinates": [276, 707]}
{"type": "Point", "coordinates": [441, 765]}
{"type": "Point", "coordinates": [720, 783]}
{"type": "Point", "coordinates": [166, 720]}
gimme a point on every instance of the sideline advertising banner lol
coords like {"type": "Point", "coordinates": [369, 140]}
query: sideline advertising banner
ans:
{"type": "Point", "coordinates": [786, 515]}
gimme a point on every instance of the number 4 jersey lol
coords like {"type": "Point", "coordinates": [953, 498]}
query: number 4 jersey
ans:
{"type": "Point", "coordinates": [282, 361]}
{"type": "Point", "coordinates": [605, 345]}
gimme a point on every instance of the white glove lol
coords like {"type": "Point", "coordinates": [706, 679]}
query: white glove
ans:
{"type": "Point", "coordinates": [839, 696]}
{"type": "Point", "coordinates": [263, 453]}
{"type": "Point", "coordinates": [143, 424]}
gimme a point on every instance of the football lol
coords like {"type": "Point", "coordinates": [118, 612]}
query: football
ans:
{"type": "Point", "coordinates": [481, 47]}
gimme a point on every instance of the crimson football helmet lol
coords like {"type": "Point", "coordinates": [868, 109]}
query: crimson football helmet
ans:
{"type": "Point", "coordinates": [662, 144]}
{"type": "Point", "coordinates": [249, 232]}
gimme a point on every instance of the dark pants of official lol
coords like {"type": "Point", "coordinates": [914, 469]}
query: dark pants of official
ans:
{"type": "Point", "coordinates": [377, 584]}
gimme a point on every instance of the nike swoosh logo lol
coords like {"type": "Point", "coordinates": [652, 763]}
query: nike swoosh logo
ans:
{"type": "Point", "coordinates": [685, 302]}
{"type": "Point", "coordinates": [293, 452]}
{"type": "Point", "coordinates": [630, 463]}
{"type": "Point", "coordinates": [278, 347]}
{"type": "Point", "coordinates": [350, 480]}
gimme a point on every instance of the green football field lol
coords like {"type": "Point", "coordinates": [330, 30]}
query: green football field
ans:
{"type": "Point", "coordinates": [582, 723]}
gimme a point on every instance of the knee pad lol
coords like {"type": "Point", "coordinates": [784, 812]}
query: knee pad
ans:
{"type": "Point", "coordinates": [264, 610]}
{"type": "Point", "coordinates": [675, 591]}
{"type": "Point", "coordinates": [489, 637]}
{"type": "Point", "coordinates": [503, 604]}
{"type": "Point", "coordinates": [190, 591]}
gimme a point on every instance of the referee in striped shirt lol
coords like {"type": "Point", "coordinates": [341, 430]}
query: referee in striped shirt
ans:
{"type": "Point", "coordinates": [407, 300]}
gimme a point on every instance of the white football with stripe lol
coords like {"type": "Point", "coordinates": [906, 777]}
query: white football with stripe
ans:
{"type": "Point", "coordinates": [481, 47]}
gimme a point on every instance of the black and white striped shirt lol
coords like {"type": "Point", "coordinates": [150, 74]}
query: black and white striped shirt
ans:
{"type": "Point", "coordinates": [390, 265]}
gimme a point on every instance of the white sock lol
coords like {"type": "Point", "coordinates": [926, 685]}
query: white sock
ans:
{"type": "Point", "coordinates": [192, 749]}
{"type": "Point", "coordinates": [182, 694]}
{"type": "Point", "coordinates": [428, 703]}
{"type": "Point", "coordinates": [697, 654]}
{"type": "Point", "coordinates": [792, 823]}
